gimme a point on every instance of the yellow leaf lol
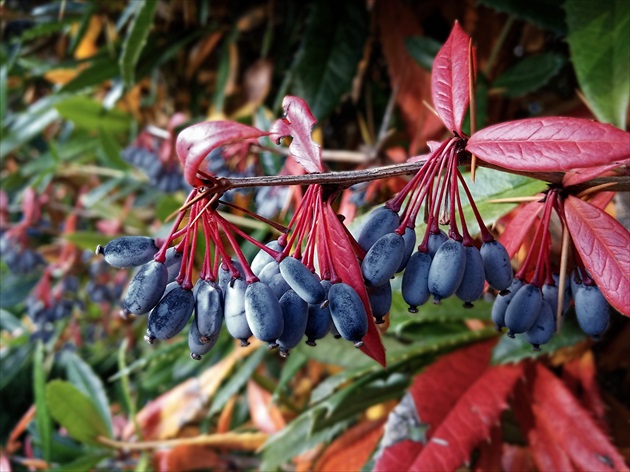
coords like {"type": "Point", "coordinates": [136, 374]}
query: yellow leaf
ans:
{"type": "Point", "coordinates": [61, 76]}
{"type": "Point", "coordinates": [87, 47]}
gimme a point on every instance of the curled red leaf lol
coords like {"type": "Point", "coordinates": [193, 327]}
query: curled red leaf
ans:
{"type": "Point", "coordinates": [577, 176]}
{"type": "Point", "coordinates": [347, 267]}
{"type": "Point", "coordinates": [602, 243]}
{"type": "Point", "coordinates": [195, 143]}
{"type": "Point", "coordinates": [550, 144]}
{"type": "Point", "coordinates": [298, 123]}
{"type": "Point", "coordinates": [516, 231]}
{"type": "Point", "coordinates": [450, 79]}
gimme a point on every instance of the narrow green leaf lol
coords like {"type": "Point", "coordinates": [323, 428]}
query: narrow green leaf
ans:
{"type": "Point", "coordinates": [599, 40]}
{"type": "Point", "coordinates": [87, 239]}
{"type": "Point", "coordinates": [3, 91]}
{"type": "Point", "coordinates": [136, 40]}
{"type": "Point", "coordinates": [44, 422]}
{"type": "Point", "coordinates": [547, 14]}
{"type": "Point", "coordinates": [423, 50]}
{"type": "Point", "coordinates": [100, 70]}
{"type": "Point", "coordinates": [529, 74]}
{"type": "Point", "coordinates": [237, 380]}
{"type": "Point", "coordinates": [75, 411]}
{"type": "Point", "coordinates": [9, 322]}
{"type": "Point", "coordinates": [329, 55]}
{"type": "Point", "coordinates": [14, 359]}
{"type": "Point", "coordinates": [290, 368]}
{"type": "Point", "coordinates": [15, 288]}
{"type": "Point", "coordinates": [223, 72]}
{"type": "Point", "coordinates": [87, 462]}
{"type": "Point", "coordinates": [90, 114]}
{"type": "Point", "coordinates": [83, 377]}
{"type": "Point", "coordinates": [111, 152]}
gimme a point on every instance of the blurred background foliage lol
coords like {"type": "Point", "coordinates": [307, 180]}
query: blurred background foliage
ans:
{"type": "Point", "coordinates": [92, 95]}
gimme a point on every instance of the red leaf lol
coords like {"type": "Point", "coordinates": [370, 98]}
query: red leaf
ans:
{"type": "Point", "coordinates": [570, 426]}
{"type": "Point", "coordinates": [352, 449]}
{"type": "Point", "coordinates": [346, 266]}
{"type": "Point", "coordinates": [438, 388]}
{"type": "Point", "coordinates": [577, 176]}
{"type": "Point", "coordinates": [195, 143]}
{"type": "Point", "coordinates": [187, 457]}
{"type": "Point", "coordinates": [265, 415]}
{"type": "Point", "coordinates": [602, 243]}
{"type": "Point", "coordinates": [397, 22]}
{"type": "Point", "coordinates": [398, 456]}
{"type": "Point", "coordinates": [544, 452]}
{"type": "Point", "coordinates": [516, 231]}
{"type": "Point", "coordinates": [516, 459]}
{"type": "Point", "coordinates": [30, 207]}
{"type": "Point", "coordinates": [298, 123]}
{"type": "Point", "coordinates": [450, 79]}
{"type": "Point", "coordinates": [550, 144]}
{"type": "Point", "coordinates": [490, 453]}
{"type": "Point", "coordinates": [470, 421]}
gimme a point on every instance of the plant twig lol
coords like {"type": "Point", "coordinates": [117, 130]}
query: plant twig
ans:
{"type": "Point", "coordinates": [244, 441]}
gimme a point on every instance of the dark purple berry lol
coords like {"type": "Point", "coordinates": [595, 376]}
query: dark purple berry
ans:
{"type": "Point", "coordinates": [380, 301]}
{"type": "Point", "coordinates": [501, 303]}
{"type": "Point", "coordinates": [382, 260]}
{"type": "Point", "coordinates": [263, 312]}
{"type": "Point", "coordinates": [146, 288]}
{"type": "Point", "coordinates": [263, 258]}
{"type": "Point", "coordinates": [377, 224]}
{"type": "Point", "coordinates": [591, 309]}
{"type": "Point", "coordinates": [208, 308]}
{"type": "Point", "coordinates": [319, 319]}
{"type": "Point", "coordinates": [348, 313]}
{"type": "Point", "coordinates": [173, 263]}
{"type": "Point", "coordinates": [234, 311]}
{"type": "Point", "coordinates": [447, 270]}
{"type": "Point", "coordinates": [543, 328]}
{"type": "Point", "coordinates": [435, 241]}
{"type": "Point", "coordinates": [496, 263]}
{"type": "Point", "coordinates": [171, 314]}
{"type": "Point", "coordinates": [302, 280]}
{"type": "Point", "coordinates": [415, 283]}
{"type": "Point", "coordinates": [471, 287]}
{"type": "Point", "coordinates": [198, 343]}
{"type": "Point", "coordinates": [409, 237]}
{"type": "Point", "coordinates": [269, 271]}
{"type": "Point", "coordinates": [278, 285]}
{"type": "Point", "coordinates": [128, 251]}
{"type": "Point", "coordinates": [295, 314]}
{"type": "Point", "coordinates": [523, 310]}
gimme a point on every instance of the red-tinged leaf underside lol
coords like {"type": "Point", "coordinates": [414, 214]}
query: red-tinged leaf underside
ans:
{"type": "Point", "coordinates": [298, 123]}
{"type": "Point", "coordinates": [544, 452]}
{"type": "Point", "coordinates": [195, 143]}
{"type": "Point", "coordinates": [571, 426]}
{"type": "Point", "coordinates": [516, 459]}
{"type": "Point", "coordinates": [397, 22]}
{"type": "Point", "coordinates": [351, 450]}
{"type": "Point", "coordinates": [438, 388]}
{"type": "Point", "coordinates": [577, 176]}
{"type": "Point", "coordinates": [399, 456]}
{"type": "Point", "coordinates": [347, 268]}
{"type": "Point", "coordinates": [450, 86]}
{"type": "Point", "coordinates": [602, 243]}
{"type": "Point", "coordinates": [550, 144]}
{"type": "Point", "coordinates": [516, 231]}
{"type": "Point", "coordinates": [490, 451]}
{"type": "Point", "coordinates": [470, 420]}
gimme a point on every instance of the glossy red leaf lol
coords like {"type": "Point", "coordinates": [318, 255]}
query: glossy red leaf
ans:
{"type": "Point", "coordinates": [195, 143]}
{"type": "Point", "coordinates": [347, 267]}
{"type": "Point", "coordinates": [397, 22]}
{"type": "Point", "coordinates": [450, 86]}
{"type": "Point", "coordinates": [543, 450]}
{"type": "Point", "coordinates": [470, 420]}
{"type": "Point", "coordinates": [399, 456]}
{"type": "Point", "coordinates": [570, 426]}
{"type": "Point", "coordinates": [298, 123]}
{"type": "Point", "coordinates": [550, 144]}
{"type": "Point", "coordinates": [516, 231]}
{"type": "Point", "coordinates": [602, 243]}
{"type": "Point", "coordinates": [516, 459]}
{"type": "Point", "coordinates": [577, 176]}
{"type": "Point", "coordinates": [438, 388]}
{"type": "Point", "coordinates": [490, 451]}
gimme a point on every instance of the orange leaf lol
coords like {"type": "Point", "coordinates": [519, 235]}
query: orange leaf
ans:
{"type": "Point", "coordinates": [184, 458]}
{"type": "Point", "coordinates": [352, 449]}
{"type": "Point", "coordinates": [225, 418]}
{"type": "Point", "coordinates": [87, 47]}
{"type": "Point", "coordinates": [265, 415]}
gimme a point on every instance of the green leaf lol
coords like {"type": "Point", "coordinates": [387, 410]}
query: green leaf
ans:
{"type": "Point", "coordinates": [44, 422]}
{"type": "Point", "coordinates": [90, 114]}
{"type": "Point", "coordinates": [87, 462]}
{"type": "Point", "coordinates": [423, 50]}
{"type": "Point", "coordinates": [75, 411]}
{"type": "Point", "coordinates": [237, 380]}
{"type": "Point", "coordinates": [111, 152]}
{"type": "Point", "coordinates": [15, 288]}
{"type": "Point", "coordinates": [331, 49]}
{"type": "Point", "coordinates": [599, 41]}
{"type": "Point", "coordinates": [510, 350]}
{"type": "Point", "coordinates": [83, 377]}
{"type": "Point", "coordinates": [4, 70]}
{"type": "Point", "coordinates": [87, 239]}
{"type": "Point", "coordinates": [529, 74]}
{"type": "Point", "coordinates": [547, 14]}
{"type": "Point", "coordinates": [100, 70]}
{"type": "Point", "coordinates": [136, 40]}
{"type": "Point", "coordinates": [9, 322]}
{"type": "Point", "coordinates": [14, 359]}
{"type": "Point", "coordinates": [290, 368]}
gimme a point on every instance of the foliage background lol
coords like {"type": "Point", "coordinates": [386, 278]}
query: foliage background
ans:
{"type": "Point", "coordinates": [80, 80]}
